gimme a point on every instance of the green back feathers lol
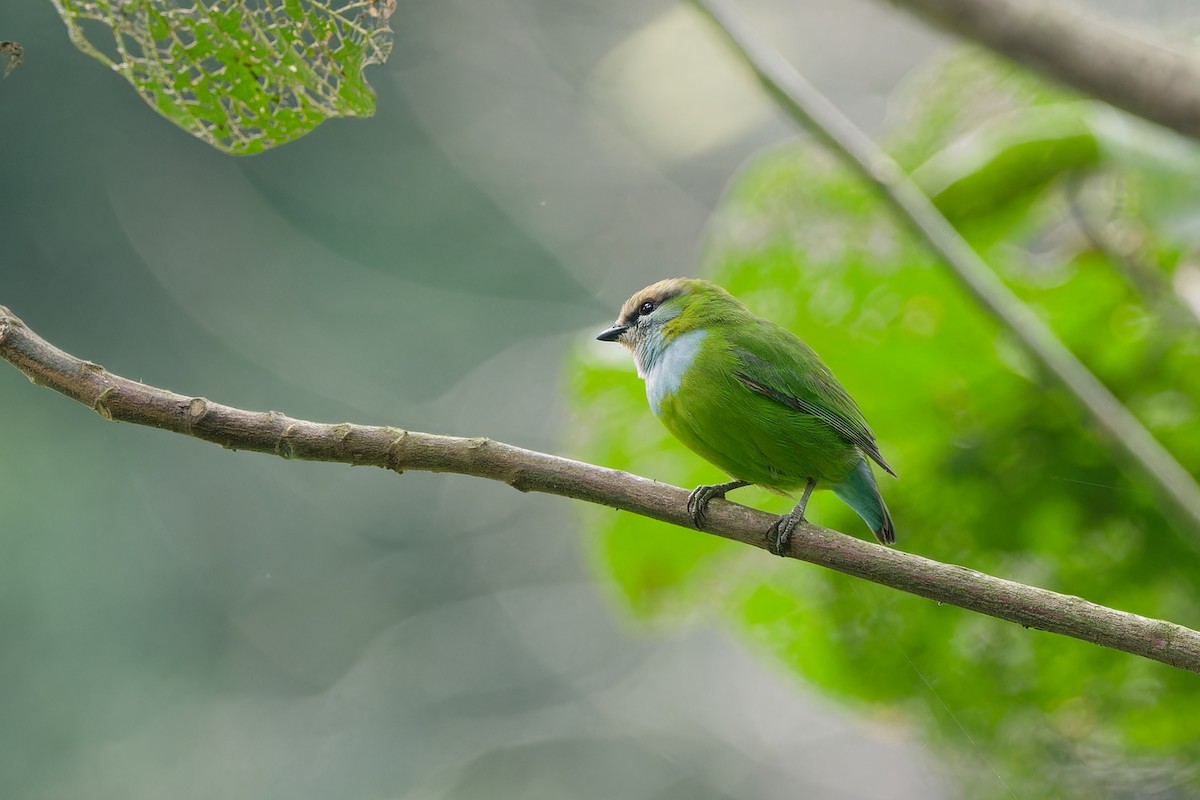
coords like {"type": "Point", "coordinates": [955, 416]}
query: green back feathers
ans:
{"type": "Point", "coordinates": [775, 363]}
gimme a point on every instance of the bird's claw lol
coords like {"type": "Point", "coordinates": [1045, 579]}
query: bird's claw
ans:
{"type": "Point", "coordinates": [701, 496]}
{"type": "Point", "coordinates": [697, 503]}
{"type": "Point", "coordinates": [779, 535]}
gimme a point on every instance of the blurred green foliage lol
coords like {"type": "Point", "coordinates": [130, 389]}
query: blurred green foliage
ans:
{"type": "Point", "coordinates": [1089, 217]}
{"type": "Point", "coordinates": [243, 76]}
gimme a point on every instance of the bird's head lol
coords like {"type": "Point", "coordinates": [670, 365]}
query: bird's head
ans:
{"type": "Point", "coordinates": [651, 319]}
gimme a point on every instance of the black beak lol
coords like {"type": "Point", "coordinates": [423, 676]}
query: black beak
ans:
{"type": "Point", "coordinates": [613, 333]}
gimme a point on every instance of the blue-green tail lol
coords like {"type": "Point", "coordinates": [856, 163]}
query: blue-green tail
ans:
{"type": "Point", "coordinates": [859, 492]}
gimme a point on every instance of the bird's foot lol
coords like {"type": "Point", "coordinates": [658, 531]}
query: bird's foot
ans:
{"type": "Point", "coordinates": [701, 496]}
{"type": "Point", "coordinates": [779, 535]}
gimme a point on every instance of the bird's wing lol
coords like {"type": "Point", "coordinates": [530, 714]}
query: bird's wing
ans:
{"type": "Point", "coordinates": [778, 365]}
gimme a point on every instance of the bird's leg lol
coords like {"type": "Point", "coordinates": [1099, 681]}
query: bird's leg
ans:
{"type": "Point", "coordinates": [698, 500]}
{"type": "Point", "coordinates": [780, 534]}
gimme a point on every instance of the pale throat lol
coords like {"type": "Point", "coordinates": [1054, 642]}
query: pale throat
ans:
{"type": "Point", "coordinates": [662, 364]}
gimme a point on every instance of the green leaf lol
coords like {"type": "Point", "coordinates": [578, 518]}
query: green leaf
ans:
{"type": "Point", "coordinates": [1009, 158]}
{"type": "Point", "coordinates": [243, 76]}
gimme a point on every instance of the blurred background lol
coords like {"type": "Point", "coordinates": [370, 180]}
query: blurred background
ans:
{"type": "Point", "coordinates": [180, 621]}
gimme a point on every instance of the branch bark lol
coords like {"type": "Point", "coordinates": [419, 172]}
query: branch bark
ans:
{"type": "Point", "coordinates": [1083, 51]}
{"type": "Point", "coordinates": [801, 100]}
{"type": "Point", "coordinates": [121, 399]}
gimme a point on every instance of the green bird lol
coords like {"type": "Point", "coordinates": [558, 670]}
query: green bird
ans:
{"type": "Point", "coordinates": [753, 399]}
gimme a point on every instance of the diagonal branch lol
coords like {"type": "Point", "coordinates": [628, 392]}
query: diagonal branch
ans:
{"type": "Point", "coordinates": [121, 399]}
{"type": "Point", "coordinates": [1130, 70]}
{"type": "Point", "coordinates": [801, 100]}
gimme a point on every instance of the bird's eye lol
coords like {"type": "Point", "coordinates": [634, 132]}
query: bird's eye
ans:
{"type": "Point", "coordinates": [646, 308]}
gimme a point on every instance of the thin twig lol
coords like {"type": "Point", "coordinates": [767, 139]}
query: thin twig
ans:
{"type": "Point", "coordinates": [815, 113]}
{"type": "Point", "coordinates": [121, 399]}
{"type": "Point", "coordinates": [1102, 58]}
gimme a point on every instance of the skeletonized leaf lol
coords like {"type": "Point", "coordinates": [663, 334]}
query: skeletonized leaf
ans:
{"type": "Point", "coordinates": [243, 75]}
